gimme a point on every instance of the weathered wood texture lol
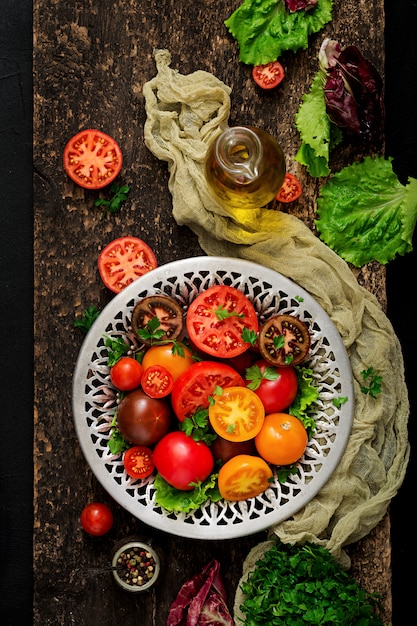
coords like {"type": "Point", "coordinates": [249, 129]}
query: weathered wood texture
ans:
{"type": "Point", "coordinates": [90, 62]}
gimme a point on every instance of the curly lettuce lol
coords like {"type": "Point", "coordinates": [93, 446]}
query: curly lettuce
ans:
{"type": "Point", "coordinates": [264, 29]}
{"type": "Point", "coordinates": [366, 214]}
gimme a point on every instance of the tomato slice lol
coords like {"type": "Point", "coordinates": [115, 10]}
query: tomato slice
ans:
{"type": "Point", "coordinates": [123, 260]}
{"type": "Point", "coordinates": [269, 75]}
{"type": "Point", "coordinates": [157, 382]}
{"type": "Point", "coordinates": [284, 340]}
{"type": "Point", "coordinates": [291, 189]}
{"type": "Point", "coordinates": [138, 462]}
{"type": "Point", "coordinates": [216, 320]}
{"type": "Point", "coordinates": [244, 476]}
{"type": "Point", "coordinates": [237, 414]}
{"type": "Point", "coordinates": [193, 389]}
{"type": "Point", "coordinates": [168, 312]}
{"type": "Point", "coordinates": [92, 159]}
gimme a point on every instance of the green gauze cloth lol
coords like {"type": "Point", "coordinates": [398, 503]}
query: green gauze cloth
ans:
{"type": "Point", "coordinates": [184, 114]}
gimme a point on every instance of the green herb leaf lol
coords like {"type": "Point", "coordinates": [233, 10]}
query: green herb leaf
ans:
{"type": "Point", "coordinates": [152, 331]}
{"type": "Point", "coordinates": [198, 427]}
{"type": "Point", "coordinates": [374, 380]}
{"type": "Point", "coordinates": [116, 348]}
{"type": "Point", "coordinates": [116, 443]}
{"type": "Point", "coordinates": [249, 336]}
{"type": "Point", "coordinates": [255, 375]}
{"type": "Point", "coordinates": [337, 402]}
{"type": "Point", "coordinates": [222, 313]}
{"type": "Point", "coordinates": [87, 319]}
{"type": "Point", "coordinates": [113, 204]}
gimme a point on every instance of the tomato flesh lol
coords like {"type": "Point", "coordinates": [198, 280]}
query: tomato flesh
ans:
{"type": "Point", "coordinates": [138, 462]}
{"type": "Point", "coordinates": [284, 340]}
{"type": "Point", "coordinates": [291, 189]}
{"type": "Point", "coordinates": [168, 312]}
{"type": "Point", "coordinates": [92, 159]}
{"type": "Point", "coordinates": [269, 75]}
{"type": "Point", "coordinates": [176, 358]}
{"type": "Point", "coordinates": [124, 260]}
{"type": "Point", "coordinates": [216, 319]}
{"type": "Point", "coordinates": [282, 439]}
{"type": "Point", "coordinates": [244, 476]}
{"type": "Point", "coordinates": [237, 414]}
{"type": "Point", "coordinates": [157, 382]}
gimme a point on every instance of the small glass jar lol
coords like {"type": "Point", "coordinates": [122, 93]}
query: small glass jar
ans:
{"type": "Point", "coordinates": [136, 566]}
{"type": "Point", "coordinates": [244, 168]}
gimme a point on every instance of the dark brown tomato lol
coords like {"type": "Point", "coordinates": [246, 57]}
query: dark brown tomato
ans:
{"type": "Point", "coordinates": [284, 340]}
{"type": "Point", "coordinates": [168, 312]}
{"type": "Point", "coordinates": [143, 420]}
{"type": "Point", "coordinates": [224, 450]}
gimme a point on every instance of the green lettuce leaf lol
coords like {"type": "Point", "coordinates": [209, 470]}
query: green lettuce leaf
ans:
{"type": "Point", "coordinates": [264, 29]}
{"type": "Point", "coordinates": [307, 394]}
{"type": "Point", "coordinates": [366, 214]}
{"type": "Point", "coordinates": [175, 500]}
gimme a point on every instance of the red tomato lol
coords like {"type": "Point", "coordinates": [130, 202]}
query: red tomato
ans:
{"type": "Point", "coordinates": [243, 477]}
{"type": "Point", "coordinates": [123, 260]}
{"type": "Point", "coordinates": [92, 159]}
{"type": "Point", "coordinates": [176, 358]}
{"type": "Point", "coordinates": [277, 388]}
{"type": "Point", "coordinates": [96, 519]}
{"type": "Point", "coordinates": [142, 420]}
{"type": "Point", "coordinates": [157, 382]}
{"type": "Point", "coordinates": [237, 414]}
{"type": "Point", "coordinates": [138, 462]}
{"type": "Point", "coordinates": [269, 75]}
{"type": "Point", "coordinates": [291, 189]}
{"type": "Point", "coordinates": [126, 374]}
{"type": "Point", "coordinates": [282, 439]}
{"type": "Point", "coordinates": [192, 390]}
{"type": "Point", "coordinates": [216, 319]}
{"type": "Point", "coordinates": [181, 460]}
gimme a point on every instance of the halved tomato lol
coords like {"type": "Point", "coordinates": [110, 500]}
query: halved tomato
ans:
{"type": "Point", "coordinates": [138, 462]}
{"type": "Point", "coordinates": [123, 260]}
{"type": "Point", "coordinates": [193, 389]}
{"type": "Point", "coordinates": [157, 382]}
{"type": "Point", "coordinates": [269, 75]}
{"type": "Point", "coordinates": [174, 356]}
{"type": "Point", "coordinates": [237, 414]}
{"type": "Point", "coordinates": [92, 159]}
{"type": "Point", "coordinates": [168, 313]}
{"type": "Point", "coordinates": [216, 320]}
{"type": "Point", "coordinates": [291, 189]}
{"type": "Point", "coordinates": [244, 476]}
{"type": "Point", "coordinates": [284, 340]}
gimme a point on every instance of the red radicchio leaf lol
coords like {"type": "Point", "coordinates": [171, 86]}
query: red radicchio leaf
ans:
{"type": "Point", "coordinates": [201, 600]}
{"type": "Point", "coordinates": [298, 5]}
{"type": "Point", "coordinates": [353, 91]}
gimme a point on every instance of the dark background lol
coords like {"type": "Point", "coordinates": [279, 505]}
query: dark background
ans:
{"type": "Point", "coordinates": [16, 297]}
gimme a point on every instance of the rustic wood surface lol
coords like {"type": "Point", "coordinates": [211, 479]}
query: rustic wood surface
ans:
{"type": "Point", "coordinates": [90, 62]}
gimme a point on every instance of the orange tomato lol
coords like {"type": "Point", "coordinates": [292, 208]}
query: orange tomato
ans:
{"type": "Point", "coordinates": [282, 439]}
{"type": "Point", "coordinates": [244, 476]}
{"type": "Point", "coordinates": [168, 356]}
{"type": "Point", "coordinates": [237, 414]}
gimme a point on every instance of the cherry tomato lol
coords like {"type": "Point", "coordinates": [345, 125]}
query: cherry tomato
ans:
{"type": "Point", "coordinates": [157, 382]}
{"type": "Point", "coordinates": [96, 519]}
{"type": "Point", "coordinates": [126, 374]}
{"type": "Point", "coordinates": [168, 312]}
{"type": "Point", "coordinates": [123, 260]}
{"type": "Point", "coordinates": [282, 439]}
{"type": "Point", "coordinates": [269, 75]}
{"type": "Point", "coordinates": [243, 477]}
{"type": "Point", "coordinates": [284, 340]}
{"type": "Point", "coordinates": [223, 450]}
{"type": "Point", "coordinates": [193, 389]}
{"type": "Point", "coordinates": [182, 461]}
{"type": "Point", "coordinates": [291, 189]}
{"type": "Point", "coordinates": [216, 319]}
{"type": "Point", "coordinates": [277, 388]}
{"type": "Point", "coordinates": [176, 358]}
{"type": "Point", "coordinates": [138, 462]}
{"type": "Point", "coordinates": [237, 414]}
{"type": "Point", "coordinates": [92, 159]}
{"type": "Point", "coordinates": [143, 420]}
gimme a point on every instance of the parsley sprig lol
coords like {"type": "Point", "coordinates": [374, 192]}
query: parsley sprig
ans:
{"type": "Point", "coordinates": [116, 348]}
{"type": "Point", "coordinates": [87, 319]}
{"type": "Point", "coordinates": [198, 427]}
{"type": "Point", "coordinates": [373, 380]}
{"type": "Point", "coordinates": [114, 203]}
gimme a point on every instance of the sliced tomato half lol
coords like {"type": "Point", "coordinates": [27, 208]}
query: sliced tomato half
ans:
{"type": "Point", "coordinates": [157, 382]}
{"type": "Point", "coordinates": [193, 389]}
{"type": "Point", "coordinates": [92, 159]}
{"type": "Point", "coordinates": [138, 462]}
{"type": "Point", "coordinates": [291, 189]}
{"type": "Point", "coordinates": [244, 476]}
{"type": "Point", "coordinates": [216, 321]}
{"type": "Point", "coordinates": [237, 414]}
{"type": "Point", "coordinates": [268, 76]}
{"type": "Point", "coordinates": [124, 260]}
{"type": "Point", "coordinates": [284, 340]}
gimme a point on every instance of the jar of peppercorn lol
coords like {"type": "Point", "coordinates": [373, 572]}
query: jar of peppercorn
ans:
{"type": "Point", "coordinates": [136, 566]}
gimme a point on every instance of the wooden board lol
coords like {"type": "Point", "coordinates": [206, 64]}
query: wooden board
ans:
{"type": "Point", "coordinates": [90, 62]}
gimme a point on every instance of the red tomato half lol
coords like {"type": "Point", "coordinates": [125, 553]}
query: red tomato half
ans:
{"type": "Point", "coordinates": [181, 460]}
{"type": "Point", "coordinates": [193, 389]}
{"type": "Point", "coordinates": [92, 159]}
{"type": "Point", "coordinates": [126, 374]}
{"type": "Point", "coordinates": [291, 189]}
{"type": "Point", "coordinates": [216, 319]}
{"type": "Point", "coordinates": [157, 382]}
{"type": "Point", "coordinates": [123, 260]}
{"type": "Point", "coordinates": [269, 75]}
{"type": "Point", "coordinates": [138, 462]}
{"type": "Point", "coordinates": [96, 519]}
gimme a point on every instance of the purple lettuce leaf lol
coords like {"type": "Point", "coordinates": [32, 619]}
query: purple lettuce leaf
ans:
{"type": "Point", "coordinates": [299, 5]}
{"type": "Point", "coordinates": [201, 600]}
